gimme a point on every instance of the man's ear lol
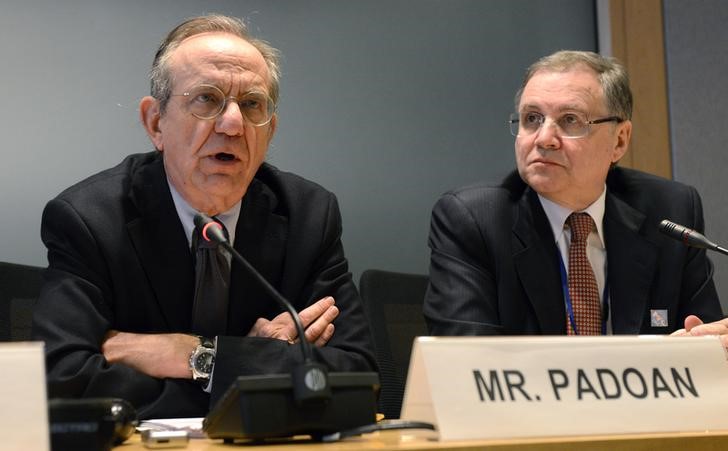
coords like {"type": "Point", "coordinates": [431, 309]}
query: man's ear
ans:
{"type": "Point", "coordinates": [150, 114]}
{"type": "Point", "coordinates": [272, 127]}
{"type": "Point", "coordinates": [624, 134]}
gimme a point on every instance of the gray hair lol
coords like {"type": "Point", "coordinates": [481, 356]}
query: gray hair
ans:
{"type": "Point", "coordinates": [611, 74]}
{"type": "Point", "coordinates": [161, 79]}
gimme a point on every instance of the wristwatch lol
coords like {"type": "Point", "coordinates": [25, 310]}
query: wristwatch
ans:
{"type": "Point", "coordinates": [201, 361]}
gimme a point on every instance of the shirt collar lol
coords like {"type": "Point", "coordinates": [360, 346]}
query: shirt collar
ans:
{"type": "Point", "coordinates": [558, 214]}
{"type": "Point", "coordinates": [187, 215]}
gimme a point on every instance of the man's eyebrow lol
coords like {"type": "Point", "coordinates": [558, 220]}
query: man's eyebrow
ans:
{"type": "Point", "coordinates": [224, 85]}
{"type": "Point", "coordinates": [207, 81]}
{"type": "Point", "coordinates": [530, 106]}
{"type": "Point", "coordinates": [559, 108]}
{"type": "Point", "coordinates": [571, 107]}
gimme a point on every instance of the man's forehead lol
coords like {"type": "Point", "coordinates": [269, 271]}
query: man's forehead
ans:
{"type": "Point", "coordinates": [224, 52]}
{"type": "Point", "coordinates": [218, 41]}
{"type": "Point", "coordinates": [567, 88]}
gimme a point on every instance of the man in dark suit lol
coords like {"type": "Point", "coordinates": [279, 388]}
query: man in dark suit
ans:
{"type": "Point", "coordinates": [500, 254]}
{"type": "Point", "coordinates": [116, 309]}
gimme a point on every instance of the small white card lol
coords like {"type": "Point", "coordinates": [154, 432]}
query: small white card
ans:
{"type": "Point", "coordinates": [490, 388]}
{"type": "Point", "coordinates": [24, 406]}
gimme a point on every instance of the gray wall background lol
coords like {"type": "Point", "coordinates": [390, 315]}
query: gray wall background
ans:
{"type": "Point", "coordinates": [388, 103]}
{"type": "Point", "coordinates": [696, 42]}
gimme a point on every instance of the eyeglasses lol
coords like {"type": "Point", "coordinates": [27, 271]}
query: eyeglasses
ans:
{"type": "Point", "coordinates": [570, 125]}
{"type": "Point", "coordinates": [208, 102]}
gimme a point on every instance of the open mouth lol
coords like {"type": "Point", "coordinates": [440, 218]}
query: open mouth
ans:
{"type": "Point", "coordinates": [222, 156]}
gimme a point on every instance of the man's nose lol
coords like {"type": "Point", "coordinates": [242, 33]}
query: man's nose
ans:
{"type": "Point", "coordinates": [548, 135]}
{"type": "Point", "coordinates": [231, 120]}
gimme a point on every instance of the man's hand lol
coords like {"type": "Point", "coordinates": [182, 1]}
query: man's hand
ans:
{"type": "Point", "coordinates": [317, 321]}
{"type": "Point", "coordinates": [157, 355]}
{"type": "Point", "coordinates": [694, 326]}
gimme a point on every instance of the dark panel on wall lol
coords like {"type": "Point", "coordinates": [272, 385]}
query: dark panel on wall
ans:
{"type": "Point", "coordinates": [695, 43]}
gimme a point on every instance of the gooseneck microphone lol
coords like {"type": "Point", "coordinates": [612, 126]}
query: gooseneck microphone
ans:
{"type": "Point", "coordinates": [689, 237]}
{"type": "Point", "coordinates": [310, 379]}
{"type": "Point", "coordinates": [308, 400]}
{"type": "Point", "coordinates": [326, 406]}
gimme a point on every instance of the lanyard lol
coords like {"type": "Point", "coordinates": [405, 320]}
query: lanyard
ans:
{"type": "Point", "coordinates": [569, 307]}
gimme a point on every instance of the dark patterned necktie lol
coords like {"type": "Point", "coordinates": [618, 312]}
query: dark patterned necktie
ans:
{"type": "Point", "coordinates": [583, 288]}
{"type": "Point", "coordinates": [212, 279]}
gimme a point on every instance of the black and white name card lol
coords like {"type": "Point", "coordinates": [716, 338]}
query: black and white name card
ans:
{"type": "Point", "coordinates": [488, 388]}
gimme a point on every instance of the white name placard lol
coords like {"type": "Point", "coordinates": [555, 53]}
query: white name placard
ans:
{"type": "Point", "coordinates": [488, 388]}
{"type": "Point", "coordinates": [24, 407]}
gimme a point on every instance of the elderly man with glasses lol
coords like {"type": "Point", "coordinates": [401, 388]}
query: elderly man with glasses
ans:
{"type": "Point", "coordinates": [134, 306]}
{"type": "Point", "coordinates": [568, 244]}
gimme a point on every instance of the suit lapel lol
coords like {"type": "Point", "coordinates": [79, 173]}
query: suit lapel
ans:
{"type": "Point", "coordinates": [535, 256]}
{"type": "Point", "coordinates": [161, 245]}
{"type": "Point", "coordinates": [631, 263]}
{"type": "Point", "coordinates": [260, 237]}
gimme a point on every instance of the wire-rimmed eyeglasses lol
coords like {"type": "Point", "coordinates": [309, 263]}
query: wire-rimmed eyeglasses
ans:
{"type": "Point", "coordinates": [208, 102]}
{"type": "Point", "coordinates": [570, 125]}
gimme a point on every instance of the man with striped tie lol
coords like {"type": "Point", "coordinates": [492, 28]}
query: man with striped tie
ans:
{"type": "Point", "coordinates": [568, 243]}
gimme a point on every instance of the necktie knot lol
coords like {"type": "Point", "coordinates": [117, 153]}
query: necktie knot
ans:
{"type": "Point", "coordinates": [581, 224]}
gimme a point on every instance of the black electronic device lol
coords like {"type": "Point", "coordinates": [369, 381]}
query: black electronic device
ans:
{"type": "Point", "coordinates": [689, 237]}
{"type": "Point", "coordinates": [90, 424]}
{"type": "Point", "coordinates": [307, 401]}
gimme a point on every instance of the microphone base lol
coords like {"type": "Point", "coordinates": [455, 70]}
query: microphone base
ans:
{"type": "Point", "coordinates": [262, 407]}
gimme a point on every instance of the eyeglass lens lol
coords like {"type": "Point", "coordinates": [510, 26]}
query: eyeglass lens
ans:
{"type": "Point", "coordinates": [571, 125]}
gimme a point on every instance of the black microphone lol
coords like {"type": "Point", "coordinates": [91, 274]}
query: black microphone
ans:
{"type": "Point", "coordinates": [689, 237]}
{"type": "Point", "coordinates": [315, 411]}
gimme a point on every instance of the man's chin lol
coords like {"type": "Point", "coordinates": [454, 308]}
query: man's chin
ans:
{"type": "Point", "coordinates": [225, 190]}
{"type": "Point", "coordinates": [542, 184]}
{"type": "Point", "coordinates": [218, 193]}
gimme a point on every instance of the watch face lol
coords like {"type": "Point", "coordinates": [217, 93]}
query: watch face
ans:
{"type": "Point", "coordinates": [203, 362]}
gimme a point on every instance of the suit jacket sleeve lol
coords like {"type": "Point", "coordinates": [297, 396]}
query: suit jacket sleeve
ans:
{"type": "Point", "coordinates": [72, 316]}
{"type": "Point", "coordinates": [462, 296]}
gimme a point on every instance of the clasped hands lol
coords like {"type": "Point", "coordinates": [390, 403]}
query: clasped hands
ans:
{"type": "Point", "coordinates": [167, 355]}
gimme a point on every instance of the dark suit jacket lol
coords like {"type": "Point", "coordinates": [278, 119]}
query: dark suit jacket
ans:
{"type": "Point", "coordinates": [119, 259]}
{"type": "Point", "coordinates": [494, 267]}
